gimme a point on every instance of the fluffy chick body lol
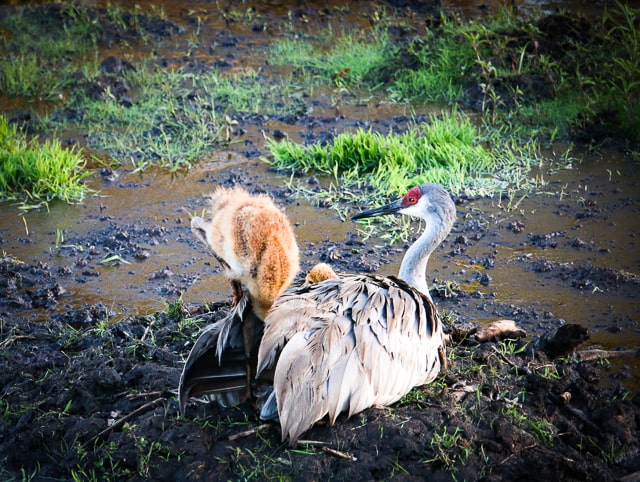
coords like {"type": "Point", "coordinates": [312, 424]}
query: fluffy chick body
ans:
{"type": "Point", "coordinates": [254, 240]}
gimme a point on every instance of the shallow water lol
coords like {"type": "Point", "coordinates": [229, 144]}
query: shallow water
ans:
{"type": "Point", "coordinates": [155, 198]}
{"type": "Point", "coordinates": [611, 241]}
{"type": "Point", "coordinates": [151, 199]}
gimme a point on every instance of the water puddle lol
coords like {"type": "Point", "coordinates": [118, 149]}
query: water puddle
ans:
{"type": "Point", "coordinates": [157, 202]}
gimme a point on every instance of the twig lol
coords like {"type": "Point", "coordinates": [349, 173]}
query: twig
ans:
{"type": "Point", "coordinates": [138, 411]}
{"type": "Point", "coordinates": [588, 355]}
{"type": "Point", "coordinates": [157, 393]}
{"type": "Point", "coordinates": [312, 442]}
{"type": "Point", "coordinates": [533, 445]}
{"type": "Point", "coordinates": [147, 330]}
{"type": "Point", "coordinates": [249, 432]}
{"type": "Point", "coordinates": [337, 453]}
{"type": "Point", "coordinates": [10, 340]}
{"type": "Point", "coordinates": [325, 448]}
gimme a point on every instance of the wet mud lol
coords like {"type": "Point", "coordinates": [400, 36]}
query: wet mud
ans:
{"type": "Point", "coordinates": [95, 327]}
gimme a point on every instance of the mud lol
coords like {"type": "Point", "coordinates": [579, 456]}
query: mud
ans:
{"type": "Point", "coordinates": [91, 350]}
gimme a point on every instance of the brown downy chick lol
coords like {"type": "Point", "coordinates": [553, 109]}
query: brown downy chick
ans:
{"type": "Point", "coordinates": [254, 241]}
{"type": "Point", "coordinates": [320, 272]}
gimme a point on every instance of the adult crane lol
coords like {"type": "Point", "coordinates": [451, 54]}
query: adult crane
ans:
{"type": "Point", "coordinates": [346, 344]}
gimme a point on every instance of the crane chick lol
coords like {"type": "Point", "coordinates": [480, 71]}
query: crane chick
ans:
{"type": "Point", "coordinates": [320, 272]}
{"type": "Point", "coordinates": [254, 242]}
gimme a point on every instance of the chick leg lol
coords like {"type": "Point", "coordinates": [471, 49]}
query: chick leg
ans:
{"type": "Point", "coordinates": [248, 335]}
{"type": "Point", "coordinates": [236, 290]}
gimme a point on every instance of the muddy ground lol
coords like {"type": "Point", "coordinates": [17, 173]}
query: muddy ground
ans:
{"type": "Point", "coordinates": [90, 393]}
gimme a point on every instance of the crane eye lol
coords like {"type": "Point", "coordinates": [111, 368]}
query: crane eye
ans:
{"type": "Point", "coordinates": [412, 197]}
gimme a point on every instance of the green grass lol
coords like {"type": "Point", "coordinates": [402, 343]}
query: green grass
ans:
{"type": "Point", "coordinates": [163, 125]}
{"type": "Point", "coordinates": [595, 77]}
{"type": "Point", "coordinates": [521, 84]}
{"type": "Point", "coordinates": [448, 150]}
{"type": "Point", "coordinates": [172, 117]}
{"type": "Point", "coordinates": [22, 75]}
{"type": "Point", "coordinates": [371, 167]}
{"type": "Point", "coordinates": [541, 429]}
{"type": "Point", "coordinates": [433, 68]}
{"type": "Point", "coordinates": [449, 448]}
{"type": "Point", "coordinates": [345, 59]}
{"type": "Point", "coordinates": [525, 92]}
{"type": "Point", "coordinates": [35, 174]}
{"type": "Point", "coordinates": [43, 47]}
{"type": "Point", "coordinates": [176, 117]}
{"type": "Point", "coordinates": [621, 71]}
{"type": "Point", "coordinates": [33, 63]}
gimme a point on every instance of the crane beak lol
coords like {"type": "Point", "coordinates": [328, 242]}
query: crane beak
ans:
{"type": "Point", "coordinates": [391, 208]}
{"type": "Point", "coordinates": [199, 229]}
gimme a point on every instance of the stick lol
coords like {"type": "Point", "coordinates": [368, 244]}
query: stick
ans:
{"type": "Point", "coordinates": [312, 442]}
{"type": "Point", "coordinates": [325, 448]}
{"type": "Point", "coordinates": [157, 393]}
{"type": "Point", "coordinates": [11, 339]}
{"type": "Point", "coordinates": [588, 355]}
{"type": "Point", "coordinates": [337, 453]}
{"type": "Point", "coordinates": [147, 406]}
{"type": "Point", "coordinates": [246, 433]}
{"type": "Point", "coordinates": [147, 330]}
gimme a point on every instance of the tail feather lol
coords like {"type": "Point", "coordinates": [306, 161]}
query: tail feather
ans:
{"type": "Point", "coordinates": [217, 363]}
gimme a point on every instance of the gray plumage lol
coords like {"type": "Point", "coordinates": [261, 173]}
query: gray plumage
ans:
{"type": "Point", "coordinates": [344, 345]}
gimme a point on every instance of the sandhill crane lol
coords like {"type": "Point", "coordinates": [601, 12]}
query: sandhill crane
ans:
{"type": "Point", "coordinates": [254, 242]}
{"type": "Point", "coordinates": [346, 344]}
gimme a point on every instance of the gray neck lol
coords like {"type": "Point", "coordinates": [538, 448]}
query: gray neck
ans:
{"type": "Point", "coordinates": [413, 269]}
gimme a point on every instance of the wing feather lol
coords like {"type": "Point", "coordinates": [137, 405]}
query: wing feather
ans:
{"type": "Point", "coordinates": [346, 345]}
{"type": "Point", "coordinates": [344, 369]}
{"type": "Point", "coordinates": [217, 363]}
{"type": "Point", "coordinates": [300, 380]}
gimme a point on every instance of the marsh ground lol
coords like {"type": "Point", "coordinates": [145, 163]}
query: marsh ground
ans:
{"type": "Point", "coordinates": [88, 381]}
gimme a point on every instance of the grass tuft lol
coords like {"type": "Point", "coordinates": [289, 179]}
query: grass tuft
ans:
{"type": "Point", "coordinates": [448, 150]}
{"type": "Point", "coordinates": [348, 59]}
{"type": "Point", "coordinates": [34, 57]}
{"type": "Point", "coordinates": [512, 68]}
{"type": "Point", "coordinates": [176, 116]}
{"type": "Point", "coordinates": [36, 174]}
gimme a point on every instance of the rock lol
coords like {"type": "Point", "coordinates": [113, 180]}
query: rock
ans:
{"type": "Point", "coordinates": [499, 330]}
{"type": "Point", "coordinates": [562, 340]}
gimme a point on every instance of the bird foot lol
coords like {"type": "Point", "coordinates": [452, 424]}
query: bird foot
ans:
{"type": "Point", "coordinates": [247, 395]}
{"type": "Point", "coordinates": [442, 355]}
